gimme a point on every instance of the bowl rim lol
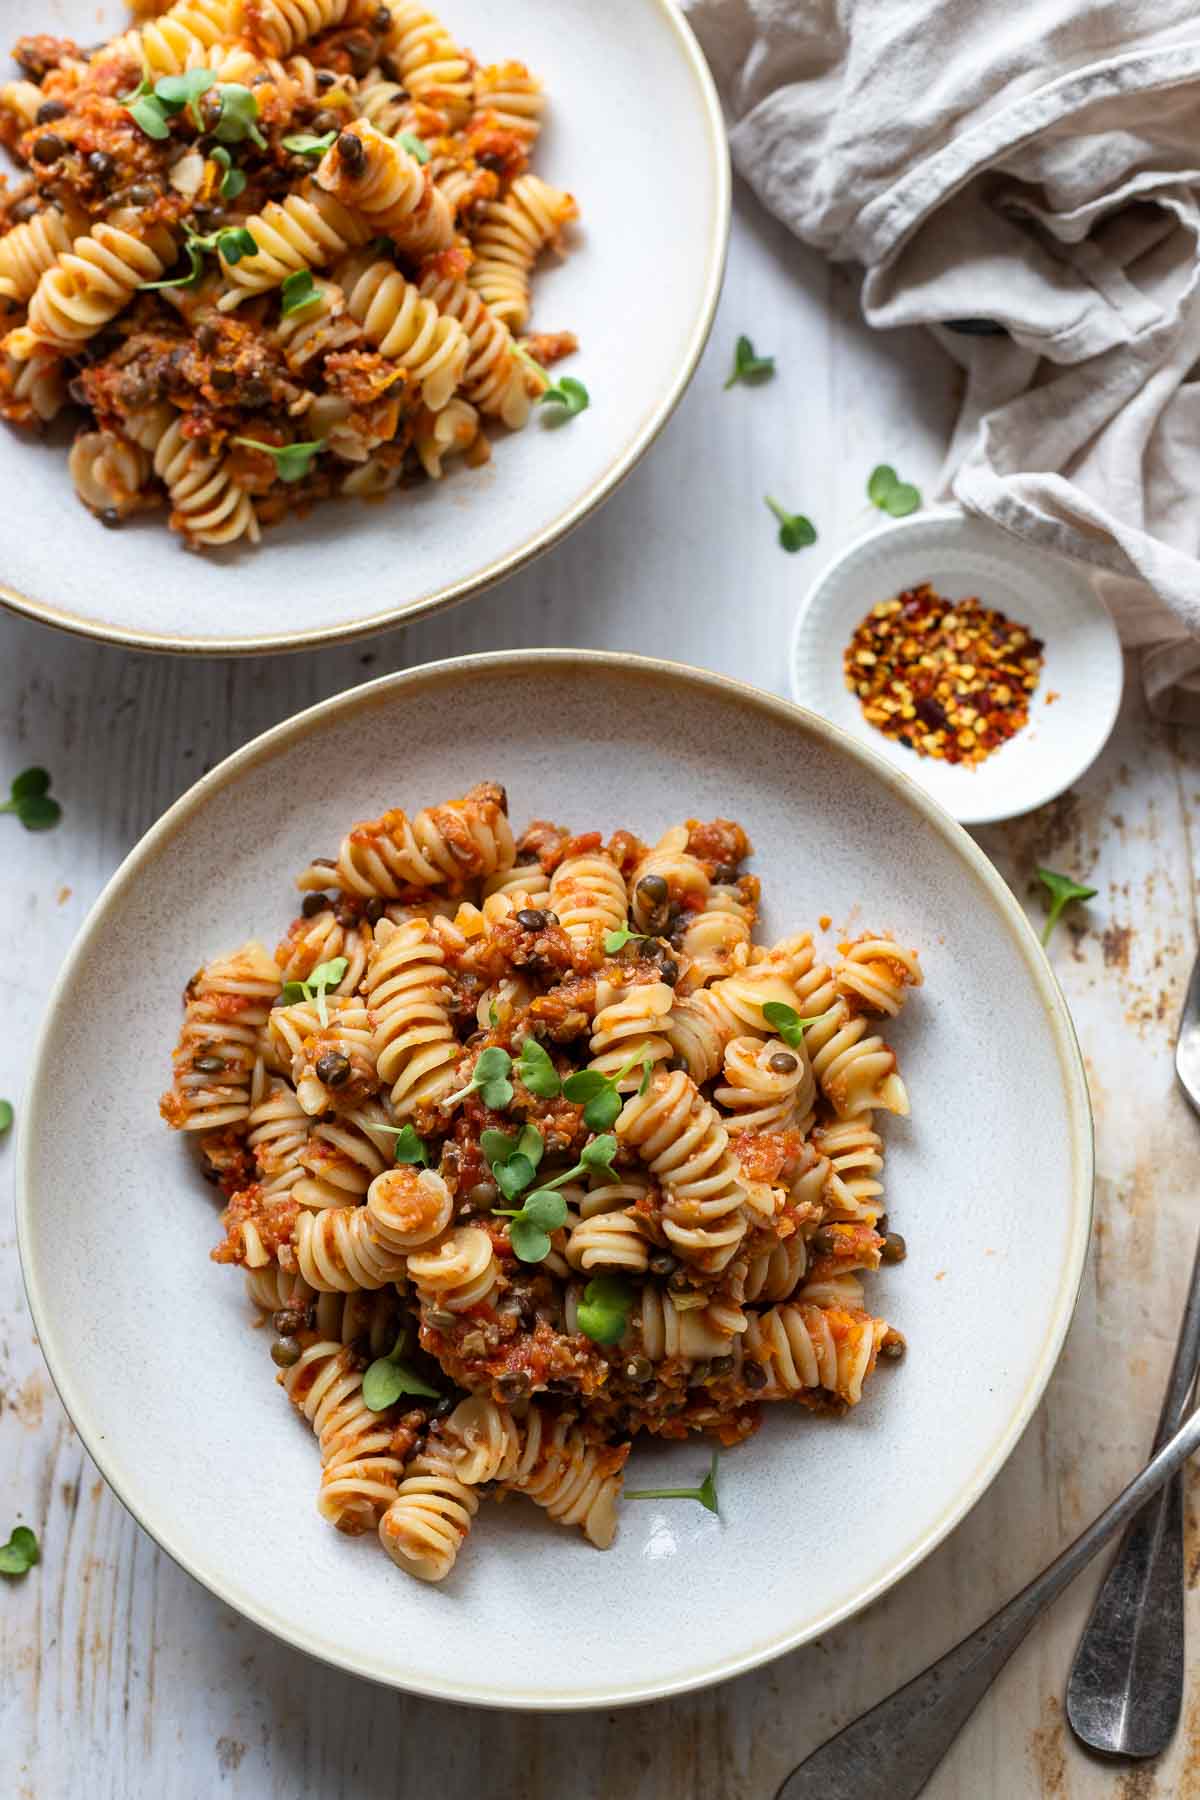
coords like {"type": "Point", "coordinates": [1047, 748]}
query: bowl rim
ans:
{"type": "Point", "coordinates": [951, 518]}
{"type": "Point", "coordinates": [390, 690]}
{"type": "Point", "coordinates": [450, 593]}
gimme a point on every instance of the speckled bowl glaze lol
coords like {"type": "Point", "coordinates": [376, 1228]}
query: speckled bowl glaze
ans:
{"type": "Point", "coordinates": [115, 1224]}
{"type": "Point", "coordinates": [960, 556]}
{"type": "Point", "coordinates": [638, 287]}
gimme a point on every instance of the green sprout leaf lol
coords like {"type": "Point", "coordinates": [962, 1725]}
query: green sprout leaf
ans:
{"type": "Point", "coordinates": [706, 1493]}
{"type": "Point", "coordinates": [599, 1094]}
{"type": "Point", "coordinates": [542, 1213]}
{"type": "Point", "coordinates": [412, 144]}
{"type": "Point", "coordinates": [597, 1156]}
{"type": "Point", "coordinates": [304, 144]}
{"type": "Point", "coordinates": [29, 798]}
{"type": "Point", "coordinates": [891, 495]}
{"type": "Point", "coordinates": [193, 248]}
{"type": "Point", "coordinates": [298, 290]}
{"type": "Point", "coordinates": [617, 940]}
{"type": "Point", "coordinates": [239, 115]}
{"type": "Point", "coordinates": [389, 1377]}
{"type": "Point", "coordinates": [748, 367]}
{"type": "Point", "coordinates": [292, 461]}
{"type": "Point", "coordinates": [20, 1553]}
{"type": "Point", "coordinates": [408, 1147]}
{"type": "Point", "coordinates": [149, 113]}
{"type": "Point", "coordinates": [787, 1022]}
{"type": "Point", "coordinates": [568, 393]}
{"type": "Point", "coordinates": [6, 1116]}
{"type": "Point", "coordinates": [513, 1160]}
{"type": "Point", "coordinates": [489, 1079]}
{"type": "Point", "coordinates": [325, 975]}
{"type": "Point", "coordinates": [174, 92]}
{"type": "Point", "coordinates": [233, 181]}
{"type": "Point", "coordinates": [1063, 891]}
{"type": "Point", "coordinates": [603, 1313]}
{"type": "Point", "coordinates": [537, 1072]}
{"type": "Point", "coordinates": [795, 531]}
{"type": "Point", "coordinates": [231, 244]}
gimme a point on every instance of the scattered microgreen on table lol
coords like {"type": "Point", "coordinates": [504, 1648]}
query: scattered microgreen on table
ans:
{"type": "Point", "coordinates": [891, 495]}
{"type": "Point", "coordinates": [29, 798]}
{"type": "Point", "coordinates": [1063, 891]}
{"type": "Point", "coordinates": [20, 1553]}
{"type": "Point", "coordinates": [292, 461]}
{"type": "Point", "coordinates": [747, 366]}
{"type": "Point", "coordinates": [795, 531]}
{"type": "Point", "coordinates": [706, 1493]}
{"type": "Point", "coordinates": [326, 975]}
{"type": "Point", "coordinates": [6, 1116]}
{"type": "Point", "coordinates": [603, 1313]}
{"type": "Point", "coordinates": [598, 1094]}
{"type": "Point", "coordinates": [787, 1022]}
{"type": "Point", "coordinates": [489, 1079]}
{"type": "Point", "coordinates": [390, 1376]}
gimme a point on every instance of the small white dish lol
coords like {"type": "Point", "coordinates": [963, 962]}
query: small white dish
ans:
{"type": "Point", "coordinates": [149, 1342]}
{"type": "Point", "coordinates": [638, 286]}
{"type": "Point", "coordinates": [1074, 707]}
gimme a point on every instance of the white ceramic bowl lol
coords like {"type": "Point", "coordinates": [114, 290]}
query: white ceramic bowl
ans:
{"type": "Point", "coordinates": [150, 1343]}
{"type": "Point", "coordinates": [638, 287]}
{"type": "Point", "coordinates": [961, 556]}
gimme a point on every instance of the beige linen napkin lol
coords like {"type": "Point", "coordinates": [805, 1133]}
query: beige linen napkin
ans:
{"type": "Point", "coordinates": [1034, 163]}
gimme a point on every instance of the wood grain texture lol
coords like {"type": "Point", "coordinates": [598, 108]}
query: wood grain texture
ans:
{"type": "Point", "coordinates": [119, 1677]}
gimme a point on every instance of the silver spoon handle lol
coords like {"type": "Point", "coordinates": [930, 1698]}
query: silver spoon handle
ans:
{"type": "Point", "coordinates": [1126, 1684]}
{"type": "Point", "coordinates": [890, 1753]}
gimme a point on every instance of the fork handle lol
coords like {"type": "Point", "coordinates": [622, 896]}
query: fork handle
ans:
{"type": "Point", "coordinates": [891, 1752]}
{"type": "Point", "coordinates": [1126, 1686]}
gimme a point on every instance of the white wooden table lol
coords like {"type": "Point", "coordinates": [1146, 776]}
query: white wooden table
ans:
{"type": "Point", "coordinates": [119, 1677]}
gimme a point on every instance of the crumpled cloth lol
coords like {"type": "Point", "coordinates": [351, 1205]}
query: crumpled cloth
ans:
{"type": "Point", "coordinates": [1030, 162]}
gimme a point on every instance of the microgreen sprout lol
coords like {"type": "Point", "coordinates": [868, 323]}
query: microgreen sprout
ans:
{"type": "Point", "coordinates": [748, 367]}
{"type": "Point", "coordinates": [232, 244]}
{"type": "Point", "coordinates": [891, 495]}
{"type": "Point", "coordinates": [536, 1071]}
{"type": "Point", "coordinates": [513, 1159]}
{"type": "Point", "coordinates": [232, 181]}
{"type": "Point", "coordinates": [795, 531]}
{"type": "Point", "coordinates": [6, 1116]}
{"type": "Point", "coordinates": [489, 1079]}
{"type": "Point", "coordinates": [603, 1313]}
{"type": "Point", "coordinates": [1063, 890]}
{"type": "Point", "coordinates": [787, 1022]}
{"type": "Point", "coordinates": [305, 144]}
{"type": "Point", "coordinates": [29, 798]}
{"type": "Point", "coordinates": [408, 141]}
{"type": "Point", "coordinates": [599, 1093]}
{"type": "Point", "coordinates": [408, 1147]}
{"type": "Point", "coordinates": [292, 461]}
{"type": "Point", "coordinates": [296, 291]}
{"type": "Point", "coordinates": [175, 92]}
{"type": "Point", "coordinates": [326, 975]}
{"type": "Point", "coordinates": [706, 1493]}
{"type": "Point", "coordinates": [20, 1553]}
{"type": "Point", "coordinates": [568, 393]}
{"type": "Point", "coordinates": [238, 117]}
{"type": "Point", "coordinates": [617, 940]}
{"type": "Point", "coordinates": [531, 1225]}
{"type": "Point", "coordinates": [390, 1376]}
{"type": "Point", "coordinates": [595, 1158]}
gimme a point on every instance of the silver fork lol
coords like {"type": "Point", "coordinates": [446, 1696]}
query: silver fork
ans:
{"type": "Point", "coordinates": [891, 1751]}
{"type": "Point", "coordinates": [1126, 1685]}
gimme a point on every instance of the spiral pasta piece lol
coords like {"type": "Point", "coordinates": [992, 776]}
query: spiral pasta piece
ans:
{"type": "Point", "coordinates": [276, 27]}
{"type": "Point", "coordinates": [321, 325]}
{"type": "Point", "coordinates": [413, 1041]}
{"type": "Point", "coordinates": [271, 1288]}
{"type": "Point", "coordinates": [386, 105]}
{"type": "Point", "coordinates": [576, 1483]}
{"type": "Point", "coordinates": [306, 231]}
{"type": "Point", "coordinates": [386, 185]}
{"type": "Point", "coordinates": [716, 938]}
{"type": "Point", "coordinates": [686, 881]}
{"type": "Point", "coordinates": [513, 233]}
{"type": "Point", "coordinates": [702, 1023]}
{"type": "Point", "coordinates": [402, 325]}
{"type": "Point", "coordinates": [342, 1156]}
{"type": "Point", "coordinates": [855, 1153]}
{"type": "Point", "coordinates": [768, 1086]}
{"type": "Point", "coordinates": [33, 390]}
{"type": "Point", "coordinates": [278, 1133]}
{"type": "Point", "coordinates": [496, 379]}
{"type": "Point", "coordinates": [208, 506]}
{"type": "Point", "coordinates": [445, 845]}
{"type": "Point", "coordinates": [801, 1347]}
{"type": "Point", "coordinates": [588, 894]}
{"type": "Point", "coordinates": [29, 249]}
{"type": "Point", "coordinates": [108, 471]}
{"type": "Point", "coordinates": [425, 1525]}
{"type": "Point", "coordinates": [361, 1474]}
{"type": "Point", "coordinates": [321, 939]}
{"type": "Point", "coordinates": [409, 1207]}
{"type": "Point", "coordinates": [185, 35]}
{"type": "Point", "coordinates": [855, 1071]}
{"type": "Point", "coordinates": [450, 432]}
{"type": "Point", "coordinates": [342, 1248]}
{"type": "Point", "coordinates": [19, 100]}
{"type": "Point", "coordinates": [429, 62]}
{"type": "Point", "coordinates": [89, 284]}
{"type": "Point", "coordinates": [775, 1274]}
{"type": "Point", "coordinates": [627, 1029]}
{"type": "Point", "coordinates": [304, 1034]}
{"type": "Point", "coordinates": [665, 1332]}
{"type": "Point", "coordinates": [875, 974]}
{"type": "Point", "coordinates": [457, 1273]}
{"type": "Point", "coordinates": [483, 1441]}
{"type": "Point", "coordinates": [682, 1141]}
{"type": "Point", "coordinates": [226, 1005]}
{"type": "Point", "coordinates": [514, 97]}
